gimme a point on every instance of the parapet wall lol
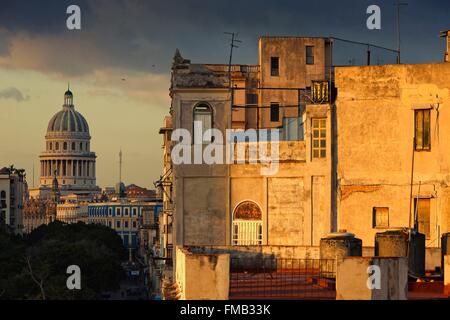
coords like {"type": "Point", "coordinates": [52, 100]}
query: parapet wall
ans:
{"type": "Point", "coordinates": [202, 276]}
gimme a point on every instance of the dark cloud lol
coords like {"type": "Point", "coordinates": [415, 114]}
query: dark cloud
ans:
{"type": "Point", "coordinates": [13, 93]}
{"type": "Point", "coordinates": [142, 35]}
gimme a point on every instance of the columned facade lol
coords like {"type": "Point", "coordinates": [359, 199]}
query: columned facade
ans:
{"type": "Point", "coordinates": [67, 154]}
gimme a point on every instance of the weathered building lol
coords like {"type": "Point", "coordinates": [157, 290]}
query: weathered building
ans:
{"type": "Point", "coordinates": [13, 193]}
{"type": "Point", "coordinates": [237, 203]}
{"type": "Point", "coordinates": [393, 159]}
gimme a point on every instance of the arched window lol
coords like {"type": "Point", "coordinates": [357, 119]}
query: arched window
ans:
{"type": "Point", "coordinates": [247, 224]}
{"type": "Point", "coordinates": [65, 146]}
{"type": "Point", "coordinates": [202, 120]}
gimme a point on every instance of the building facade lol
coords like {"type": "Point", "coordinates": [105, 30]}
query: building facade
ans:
{"type": "Point", "coordinates": [393, 159]}
{"type": "Point", "coordinates": [123, 217]}
{"type": "Point", "coordinates": [235, 203]}
{"type": "Point", "coordinates": [72, 212]}
{"type": "Point", "coordinates": [13, 194]}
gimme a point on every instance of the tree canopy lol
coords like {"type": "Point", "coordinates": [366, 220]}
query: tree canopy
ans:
{"type": "Point", "coordinates": [34, 266]}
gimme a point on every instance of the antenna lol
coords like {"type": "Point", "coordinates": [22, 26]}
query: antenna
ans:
{"type": "Point", "coordinates": [232, 45]}
{"type": "Point", "coordinates": [398, 4]}
{"type": "Point", "coordinates": [33, 174]}
{"type": "Point", "coordinates": [120, 167]}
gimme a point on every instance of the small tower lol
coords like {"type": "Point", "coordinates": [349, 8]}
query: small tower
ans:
{"type": "Point", "coordinates": [68, 97]}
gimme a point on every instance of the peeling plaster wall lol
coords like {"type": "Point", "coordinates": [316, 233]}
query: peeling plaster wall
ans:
{"type": "Point", "coordinates": [375, 118]}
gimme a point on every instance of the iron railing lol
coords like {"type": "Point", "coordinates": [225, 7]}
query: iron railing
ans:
{"type": "Point", "coordinates": [281, 278]}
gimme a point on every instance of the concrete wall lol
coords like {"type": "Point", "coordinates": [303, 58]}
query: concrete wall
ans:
{"type": "Point", "coordinates": [352, 278]}
{"type": "Point", "coordinates": [202, 276]}
{"type": "Point", "coordinates": [375, 120]}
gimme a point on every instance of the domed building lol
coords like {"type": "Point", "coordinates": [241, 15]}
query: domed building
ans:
{"type": "Point", "coordinates": [67, 156]}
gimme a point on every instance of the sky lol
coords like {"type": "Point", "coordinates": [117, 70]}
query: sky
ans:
{"type": "Point", "coordinates": [135, 40]}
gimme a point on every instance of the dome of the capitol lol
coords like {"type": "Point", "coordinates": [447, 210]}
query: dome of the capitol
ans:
{"type": "Point", "coordinates": [67, 163]}
{"type": "Point", "coordinates": [68, 120]}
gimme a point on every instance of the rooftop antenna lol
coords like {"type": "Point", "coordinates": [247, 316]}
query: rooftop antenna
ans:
{"type": "Point", "coordinates": [398, 4]}
{"type": "Point", "coordinates": [33, 174]}
{"type": "Point", "coordinates": [232, 46]}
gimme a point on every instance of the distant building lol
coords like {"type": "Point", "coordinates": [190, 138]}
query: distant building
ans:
{"type": "Point", "coordinates": [136, 193]}
{"type": "Point", "coordinates": [38, 212]}
{"type": "Point", "coordinates": [72, 212]}
{"type": "Point", "coordinates": [13, 193]}
{"type": "Point", "coordinates": [123, 217]}
{"type": "Point", "coordinates": [148, 230]}
{"type": "Point", "coordinates": [67, 154]}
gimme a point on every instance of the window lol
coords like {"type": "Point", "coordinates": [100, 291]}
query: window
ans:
{"type": "Point", "coordinates": [134, 211]}
{"type": "Point", "coordinates": [109, 224]}
{"type": "Point", "coordinates": [57, 146]}
{"type": "Point", "coordinates": [202, 114]}
{"type": "Point", "coordinates": [65, 146]}
{"type": "Point", "coordinates": [252, 98]}
{"type": "Point", "coordinates": [126, 211]}
{"type": "Point", "coordinates": [422, 130]}
{"type": "Point", "coordinates": [50, 146]}
{"type": "Point", "coordinates": [274, 66]}
{"type": "Point", "coordinates": [118, 223]}
{"type": "Point", "coordinates": [3, 199]}
{"type": "Point", "coordinates": [73, 145]}
{"type": "Point", "coordinates": [274, 112]}
{"type": "Point", "coordinates": [247, 224]}
{"type": "Point", "coordinates": [118, 212]}
{"type": "Point", "coordinates": [309, 55]}
{"type": "Point", "coordinates": [126, 224]}
{"type": "Point", "coordinates": [319, 142]}
{"type": "Point", "coordinates": [134, 224]}
{"type": "Point", "coordinates": [422, 209]}
{"type": "Point", "coordinates": [380, 217]}
{"type": "Point", "coordinates": [81, 146]}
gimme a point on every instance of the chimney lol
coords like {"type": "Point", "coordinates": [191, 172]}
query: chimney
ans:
{"type": "Point", "coordinates": [446, 34]}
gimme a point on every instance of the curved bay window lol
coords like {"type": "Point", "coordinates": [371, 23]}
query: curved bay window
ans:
{"type": "Point", "coordinates": [247, 224]}
{"type": "Point", "coordinates": [202, 114]}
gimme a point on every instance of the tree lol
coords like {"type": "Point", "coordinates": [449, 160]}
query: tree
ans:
{"type": "Point", "coordinates": [34, 267]}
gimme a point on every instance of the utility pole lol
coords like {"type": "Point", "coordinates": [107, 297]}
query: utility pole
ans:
{"type": "Point", "coordinates": [398, 4]}
{"type": "Point", "coordinates": [232, 46]}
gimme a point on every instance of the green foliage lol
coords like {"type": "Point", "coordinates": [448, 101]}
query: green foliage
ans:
{"type": "Point", "coordinates": [35, 266]}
